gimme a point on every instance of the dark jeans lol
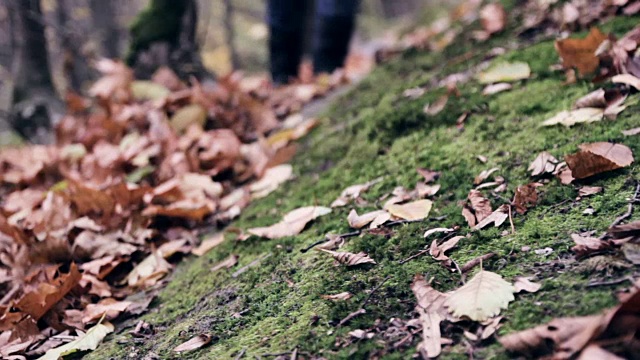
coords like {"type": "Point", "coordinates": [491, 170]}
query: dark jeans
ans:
{"type": "Point", "coordinates": [334, 21]}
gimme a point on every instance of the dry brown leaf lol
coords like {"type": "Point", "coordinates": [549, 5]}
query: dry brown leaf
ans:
{"type": "Point", "coordinates": [353, 192]}
{"type": "Point", "coordinates": [227, 263]}
{"type": "Point", "coordinates": [194, 343]}
{"type": "Point", "coordinates": [469, 216]}
{"type": "Point", "coordinates": [292, 223]}
{"type": "Point", "coordinates": [544, 163]}
{"type": "Point", "coordinates": [595, 158]}
{"type": "Point", "coordinates": [38, 301]}
{"type": "Point", "coordinates": [416, 210]}
{"type": "Point", "coordinates": [480, 205]}
{"type": "Point", "coordinates": [350, 259]}
{"type": "Point", "coordinates": [589, 190]}
{"type": "Point", "coordinates": [481, 297]}
{"type": "Point", "coordinates": [340, 296]}
{"type": "Point", "coordinates": [484, 175]}
{"type": "Point", "coordinates": [625, 230]}
{"type": "Point", "coordinates": [109, 308]}
{"type": "Point", "coordinates": [586, 245]}
{"type": "Point", "coordinates": [271, 180]}
{"type": "Point", "coordinates": [153, 268]}
{"type": "Point", "coordinates": [526, 197]}
{"type": "Point", "coordinates": [525, 284]}
{"type": "Point", "coordinates": [437, 106]}
{"type": "Point", "coordinates": [208, 244]}
{"type": "Point", "coordinates": [581, 53]}
{"type": "Point", "coordinates": [497, 217]}
{"type": "Point", "coordinates": [430, 306]}
{"type": "Point", "coordinates": [438, 251]}
{"type": "Point", "coordinates": [425, 190]}
{"type": "Point", "coordinates": [429, 175]}
{"type": "Point", "coordinates": [359, 221]}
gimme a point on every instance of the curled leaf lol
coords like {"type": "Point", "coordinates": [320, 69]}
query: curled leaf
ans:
{"type": "Point", "coordinates": [350, 259]}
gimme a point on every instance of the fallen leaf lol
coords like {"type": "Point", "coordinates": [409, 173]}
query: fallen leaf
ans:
{"type": "Point", "coordinates": [350, 259]}
{"type": "Point", "coordinates": [429, 175]}
{"type": "Point", "coordinates": [430, 306]}
{"type": "Point", "coordinates": [505, 72]}
{"type": "Point", "coordinates": [481, 297]}
{"type": "Point", "coordinates": [416, 210]}
{"type": "Point", "coordinates": [89, 341]}
{"type": "Point", "coordinates": [208, 244]}
{"type": "Point", "coordinates": [480, 205]}
{"type": "Point", "coordinates": [595, 158]}
{"type": "Point", "coordinates": [353, 192]}
{"type": "Point", "coordinates": [413, 93]}
{"type": "Point", "coordinates": [526, 197]}
{"type": "Point", "coordinates": [484, 175]}
{"type": "Point", "coordinates": [595, 352]}
{"type": "Point", "coordinates": [438, 251]}
{"type": "Point", "coordinates": [153, 268]}
{"type": "Point", "coordinates": [496, 88]}
{"type": "Point", "coordinates": [631, 132]}
{"type": "Point", "coordinates": [227, 263]}
{"type": "Point", "coordinates": [627, 79]}
{"type": "Point", "coordinates": [292, 223]}
{"type": "Point", "coordinates": [425, 190]}
{"type": "Point", "coordinates": [437, 106]}
{"type": "Point", "coordinates": [38, 301]}
{"type": "Point", "coordinates": [271, 180]}
{"type": "Point", "coordinates": [586, 245]}
{"type": "Point", "coordinates": [625, 230]}
{"type": "Point", "coordinates": [572, 117]}
{"type": "Point", "coordinates": [193, 114]}
{"type": "Point", "coordinates": [469, 216]}
{"type": "Point", "coordinates": [491, 327]}
{"type": "Point", "coordinates": [340, 296]}
{"type": "Point", "coordinates": [361, 334]}
{"type": "Point", "coordinates": [525, 284]}
{"type": "Point", "coordinates": [581, 53]}
{"type": "Point", "coordinates": [108, 308]}
{"type": "Point", "coordinates": [589, 190]}
{"type": "Point", "coordinates": [544, 163]}
{"type": "Point", "coordinates": [194, 343]}
{"type": "Point", "coordinates": [358, 221]}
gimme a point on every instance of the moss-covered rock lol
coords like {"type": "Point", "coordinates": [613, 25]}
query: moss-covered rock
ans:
{"type": "Point", "coordinates": [374, 131]}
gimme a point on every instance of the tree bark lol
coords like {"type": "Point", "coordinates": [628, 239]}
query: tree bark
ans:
{"type": "Point", "coordinates": [35, 102]}
{"type": "Point", "coordinates": [164, 34]}
{"type": "Point", "coordinates": [229, 33]}
{"type": "Point", "coordinates": [75, 64]}
{"type": "Point", "coordinates": [108, 32]}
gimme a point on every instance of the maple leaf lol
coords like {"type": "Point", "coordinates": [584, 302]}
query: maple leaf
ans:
{"type": "Point", "coordinates": [350, 259]}
{"type": "Point", "coordinates": [481, 297]}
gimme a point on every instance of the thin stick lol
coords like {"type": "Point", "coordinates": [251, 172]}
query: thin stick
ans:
{"type": "Point", "coordinates": [351, 316]}
{"type": "Point", "coordinates": [513, 228]}
{"type": "Point", "coordinates": [620, 218]}
{"type": "Point", "coordinates": [413, 256]}
{"type": "Point", "coordinates": [611, 282]}
{"type": "Point", "coordinates": [240, 354]}
{"type": "Point", "coordinates": [374, 290]}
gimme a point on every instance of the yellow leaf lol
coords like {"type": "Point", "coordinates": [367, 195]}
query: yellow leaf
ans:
{"type": "Point", "coordinates": [88, 341]}
{"type": "Point", "coordinates": [148, 90]}
{"type": "Point", "coordinates": [505, 72]}
{"type": "Point", "coordinates": [188, 115]}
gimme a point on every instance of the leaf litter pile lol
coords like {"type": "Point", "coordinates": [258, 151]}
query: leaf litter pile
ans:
{"type": "Point", "coordinates": [135, 173]}
{"type": "Point", "coordinates": [142, 166]}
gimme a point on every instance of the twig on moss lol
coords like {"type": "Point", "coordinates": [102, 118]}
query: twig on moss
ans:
{"type": "Point", "coordinates": [611, 282]}
{"type": "Point", "coordinates": [374, 290]}
{"type": "Point", "coordinates": [622, 217]}
{"type": "Point", "coordinates": [413, 256]}
{"type": "Point", "coordinates": [513, 228]}
{"type": "Point", "coordinates": [351, 316]}
{"type": "Point", "coordinates": [240, 354]}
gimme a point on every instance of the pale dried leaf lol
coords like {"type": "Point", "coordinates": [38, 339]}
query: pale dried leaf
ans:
{"type": "Point", "coordinates": [572, 117]}
{"type": "Point", "coordinates": [631, 132]}
{"type": "Point", "coordinates": [353, 192]}
{"type": "Point", "coordinates": [544, 163]}
{"type": "Point", "coordinates": [340, 296]}
{"type": "Point", "coordinates": [350, 259]}
{"type": "Point", "coordinates": [589, 190]}
{"type": "Point", "coordinates": [481, 297]}
{"type": "Point", "coordinates": [194, 343]}
{"type": "Point", "coordinates": [271, 180]}
{"type": "Point", "coordinates": [437, 230]}
{"type": "Point", "coordinates": [497, 217]}
{"type": "Point", "coordinates": [292, 223]}
{"type": "Point", "coordinates": [525, 284]}
{"type": "Point", "coordinates": [227, 263]}
{"type": "Point", "coordinates": [484, 175]}
{"type": "Point", "coordinates": [437, 106]}
{"type": "Point", "coordinates": [480, 205]}
{"type": "Point", "coordinates": [416, 210]}
{"type": "Point", "coordinates": [505, 72]}
{"type": "Point", "coordinates": [627, 79]}
{"type": "Point", "coordinates": [89, 341]}
{"type": "Point", "coordinates": [208, 244]}
{"type": "Point", "coordinates": [496, 88]}
{"type": "Point", "coordinates": [358, 221]}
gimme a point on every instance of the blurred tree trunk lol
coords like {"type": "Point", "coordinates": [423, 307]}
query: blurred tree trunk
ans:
{"type": "Point", "coordinates": [164, 34]}
{"type": "Point", "coordinates": [35, 102]}
{"type": "Point", "coordinates": [108, 32]}
{"type": "Point", "coordinates": [75, 63]}
{"type": "Point", "coordinates": [229, 33]}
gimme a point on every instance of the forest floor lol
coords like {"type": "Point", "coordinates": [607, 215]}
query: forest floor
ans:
{"type": "Point", "coordinates": [276, 306]}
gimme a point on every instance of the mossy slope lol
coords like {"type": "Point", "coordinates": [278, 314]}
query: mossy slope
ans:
{"type": "Point", "coordinates": [374, 131]}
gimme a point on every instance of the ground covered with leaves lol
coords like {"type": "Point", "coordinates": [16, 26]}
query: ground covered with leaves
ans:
{"type": "Point", "coordinates": [465, 192]}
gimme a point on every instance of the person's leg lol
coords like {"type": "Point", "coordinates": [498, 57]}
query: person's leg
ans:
{"type": "Point", "coordinates": [286, 25]}
{"type": "Point", "coordinates": [335, 22]}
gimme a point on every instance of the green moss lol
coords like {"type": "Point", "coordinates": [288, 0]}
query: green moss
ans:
{"type": "Point", "coordinates": [374, 131]}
